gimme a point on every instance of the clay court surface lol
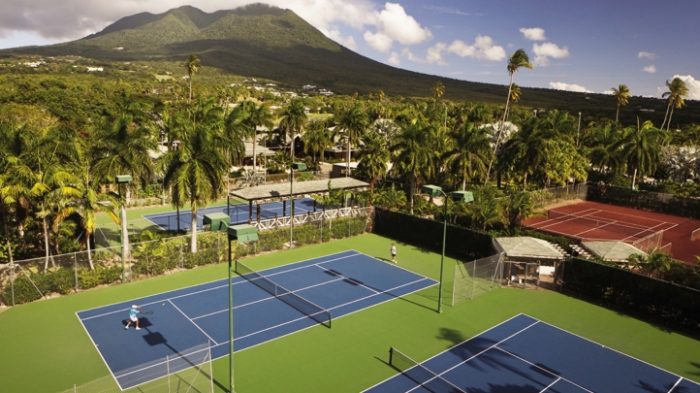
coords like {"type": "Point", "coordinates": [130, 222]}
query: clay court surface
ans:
{"type": "Point", "coordinates": [598, 221]}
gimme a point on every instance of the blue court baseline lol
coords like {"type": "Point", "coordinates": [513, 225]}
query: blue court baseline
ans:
{"type": "Point", "coordinates": [238, 214]}
{"type": "Point", "coordinates": [181, 324]}
{"type": "Point", "coordinates": [526, 355]}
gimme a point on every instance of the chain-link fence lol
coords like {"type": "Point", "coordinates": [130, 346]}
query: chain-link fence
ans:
{"type": "Point", "coordinates": [32, 279]}
{"type": "Point", "coordinates": [186, 371]}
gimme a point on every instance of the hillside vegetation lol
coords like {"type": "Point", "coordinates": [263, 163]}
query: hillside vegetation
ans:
{"type": "Point", "coordinates": [267, 42]}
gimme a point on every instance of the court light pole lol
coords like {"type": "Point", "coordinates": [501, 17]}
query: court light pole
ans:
{"type": "Point", "coordinates": [430, 188]}
{"type": "Point", "coordinates": [231, 237]}
{"type": "Point", "coordinates": [123, 179]}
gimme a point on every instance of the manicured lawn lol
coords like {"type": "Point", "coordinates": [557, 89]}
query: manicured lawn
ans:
{"type": "Point", "coordinates": [45, 349]}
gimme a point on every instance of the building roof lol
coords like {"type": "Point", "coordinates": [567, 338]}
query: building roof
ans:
{"type": "Point", "coordinates": [529, 247]}
{"type": "Point", "coordinates": [614, 251]}
{"type": "Point", "coordinates": [281, 190]}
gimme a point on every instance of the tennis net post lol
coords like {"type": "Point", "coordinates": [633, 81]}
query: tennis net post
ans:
{"type": "Point", "coordinates": [307, 307]}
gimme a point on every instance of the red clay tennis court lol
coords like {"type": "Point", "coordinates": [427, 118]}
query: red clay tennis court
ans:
{"type": "Point", "coordinates": [645, 230]}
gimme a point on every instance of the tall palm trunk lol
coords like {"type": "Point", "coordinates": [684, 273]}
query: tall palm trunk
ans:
{"type": "Point", "coordinates": [500, 129]}
{"type": "Point", "coordinates": [47, 249]}
{"type": "Point", "coordinates": [255, 142]}
{"type": "Point", "coordinates": [347, 168]}
{"type": "Point", "coordinates": [193, 225]}
{"type": "Point", "coordinates": [617, 114]}
{"type": "Point", "coordinates": [634, 178]}
{"type": "Point", "coordinates": [670, 116]}
{"type": "Point", "coordinates": [668, 107]}
{"type": "Point", "coordinates": [89, 250]}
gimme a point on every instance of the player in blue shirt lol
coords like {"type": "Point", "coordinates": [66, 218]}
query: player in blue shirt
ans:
{"type": "Point", "coordinates": [134, 312]}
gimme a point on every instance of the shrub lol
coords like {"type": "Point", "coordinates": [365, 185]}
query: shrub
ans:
{"type": "Point", "coordinates": [24, 292]}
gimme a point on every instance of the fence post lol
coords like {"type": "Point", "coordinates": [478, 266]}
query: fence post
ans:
{"type": "Point", "coordinates": [211, 370]}
{"type": "Point", "coordinates": [75, 271]}
{"type": "Point", "coordinates": [12, 281]}
{"type": "Point", "coordinates": [167, 370]}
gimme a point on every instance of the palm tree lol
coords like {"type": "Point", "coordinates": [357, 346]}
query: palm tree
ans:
{"type": "Point", "coordinates": [515, 94]}
{"type": "Point", "coordinates": [316, 139]}
{"type": "Point", "coordinates": [641, 146]}
{"type": "Point", "coordinates": [518, 60]}
{"type": "Point", "coordinates": [471, 153]}
{"type": "Point", "coordinates": [196, 168]}
{"type": "Point", "coordinates": [192, 65]}
{"type": "Point", "coordinates": [374, 157]}
{"type": "Point", "coordinates": [518, 207]}
{"type": "Point", "coordinates": [414, 156]}
{"type": "Point", "coordinates": [87, 204]}
{"type": "Point", "coordinates": [292, 122]}
{"type": "Point", "coordinates": [122, 147]}
{"type": "Point", "coordinates": [260, 116]}
{"type": "Point", "coordinates": [352, 123]}
{"type": "Point", "coordinates": [438, 90]}
{"type": "Point", "coordinates": [622, 98]}
{"type": "Point", "coordinates": [677, 91]}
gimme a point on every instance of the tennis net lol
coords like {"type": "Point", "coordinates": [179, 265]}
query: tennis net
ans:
{"type": "Point", "coordinates": [420, 374]}
{"type": "Point", "coordinates": [587, 220]}
{"type": "Point", "coordinates": [313, 311]}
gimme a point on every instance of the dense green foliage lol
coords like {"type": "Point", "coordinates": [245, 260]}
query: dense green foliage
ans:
{"type": "Point", "coordinates": [648, 297]}
{"type": "Point", "coordinates": [645, 200]}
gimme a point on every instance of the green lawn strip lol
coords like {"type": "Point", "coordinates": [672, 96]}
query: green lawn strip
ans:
{"type": "Point", "coordinates": [45, 338]}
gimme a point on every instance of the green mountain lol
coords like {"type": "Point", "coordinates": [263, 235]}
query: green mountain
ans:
{"type": "Point", "coordinates": [273, 43]}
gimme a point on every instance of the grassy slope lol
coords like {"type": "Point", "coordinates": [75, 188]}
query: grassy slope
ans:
{"type": "Point", "coordinates": [46, 339]}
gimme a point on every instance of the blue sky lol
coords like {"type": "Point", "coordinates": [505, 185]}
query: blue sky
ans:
{"type": "Point", "coordinates": [577, 45]}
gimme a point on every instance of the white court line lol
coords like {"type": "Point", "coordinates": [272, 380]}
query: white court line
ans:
{"type": "Point", "coordinates": [550, 385]}
{"type": "Point", "coordinates": [615, 350]}
{"type": "Point", "coordinates": [455, 346]}
{"type": "Point", "coordinates": [270, 297]}
{"type": "Point", "coordinates": [99, 352]}
{"type": "Point", "coordinates": [541, 368]}
{"type": "Point", "coordinates": [225, 285]}
{"type": "Point", "coordinates": [353, 253]}
{"type": "Point", "coordinates": [294, 332]}
{"type": "Point", "coordinates": [650, 230]}
{"type": "Point", "coordinates": [193, 322]}
{"type": "Point", "coordinates": [675, 384]}
{"type": "Point", "coordinates": [475, 355]}
{"type": "Point", "coordinates": [348, 278]}
{"type": "Point", "coordinates": [570, 216]}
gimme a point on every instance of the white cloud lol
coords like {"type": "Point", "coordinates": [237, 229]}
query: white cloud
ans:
{"type": "Point", "coordinates": [646, 55]}
{"type": "Point", "coordinates": [533, 33]}
{"type": "Point", "coordinates": [483, 48]}
{"type": "Point", "coordinates": [434, 54]}
{"type": "Point", "coordinates": [692, 84]}
{"type": "Point", "coordinates": [607, 92]}
{"type": "Point", "coordinates": [394, 59]}
{"type": "Point", "coordinates": [543, 52]}
{"type": "Point", "coordinates": [568, 87]}
{"type": "Point", "coordinates": [346, 41]}
{"type": "Point", "coordinates": [411, 56]}
{"type": "Point", "coordinates": [651, 69]}
{"type": "Point", "coordinates": [378, 41]}
{"type": "Point", "coordinates": [395, 23]}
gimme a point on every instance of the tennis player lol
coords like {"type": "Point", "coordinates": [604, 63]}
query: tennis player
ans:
{"type": "Point", "coordinates": [393, 253]}
{"type": "Point", "coordinates": [134, 312]}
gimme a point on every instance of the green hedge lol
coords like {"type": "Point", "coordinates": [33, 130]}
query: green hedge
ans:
{"type": "Point", "coordinates": [461, 242]}
{"type": "Point", "coordinates": [645, 200]}
{"type": "Point", "coordinates": [644, 296]}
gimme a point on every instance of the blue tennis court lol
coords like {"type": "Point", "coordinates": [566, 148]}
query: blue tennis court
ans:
{"type": "Point", "coordinates": [525, 355]}
{"type": "Point", "coordinates": [237, 213]}
{"type": "Point", "coordinates": [195, 317]}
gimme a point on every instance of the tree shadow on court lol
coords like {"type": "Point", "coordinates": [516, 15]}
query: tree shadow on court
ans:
{"type": "Point", "coordinates": [354, 281]}
{"type": "Point", "coordinates": [453, 336]}
{"type": "Point", "coordinates": [697, 366]}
